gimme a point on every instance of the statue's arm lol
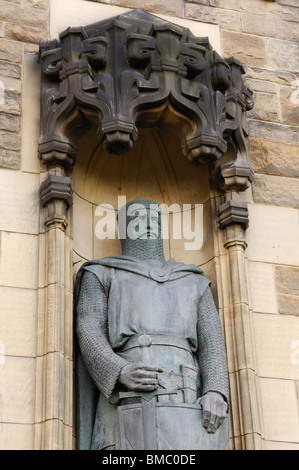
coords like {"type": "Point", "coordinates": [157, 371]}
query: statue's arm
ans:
{"type": "Point", "coordinates": [101, 361]}
{"type": "Point", "coordinates": [212, 354]}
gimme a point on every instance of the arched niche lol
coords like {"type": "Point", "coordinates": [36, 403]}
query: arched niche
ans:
{"type": "Point", "coordinates": [155, 168]}
{"type": "Point", "coordinates": [166, 121]}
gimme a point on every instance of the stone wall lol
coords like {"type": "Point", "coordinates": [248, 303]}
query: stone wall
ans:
{"type": "Point", "coordinates": [264, 36]}
{"type": "Point", "coordinates": [23, 23]}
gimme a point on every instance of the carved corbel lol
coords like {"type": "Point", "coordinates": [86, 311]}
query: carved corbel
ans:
{"type": "Point", "coordinates": [56, 195]}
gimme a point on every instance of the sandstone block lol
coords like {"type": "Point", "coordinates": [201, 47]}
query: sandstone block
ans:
{"type": "Point", "coordinates": [289, 102]}
{"type": "Point", "coordinates": [288, 304]}
{"type": "Point", "coordinates": [10, 51]}
{"type": "Point", "coordinates": [16, 436]}
{"type": "Point", "coordinates": [287, 11]}
{"type": "Point", "coordinates": [174, 7]}
{"type": "Point", "coordinates": [12, 85]}
{"type": "Point", "coordinates": [272, 235]}
{"type": "Point", "coordinates": [261, 85]}
{"type": "Point", "coordinates": [35, 17]}
{"type": "Point", "coordinates": [276, 190]}
{"type": "Point", "coordinates": [18, 267]}
{"type": "Point", "coordinates": [266, 107]}
{"type": "Point", "coordinates": [283, 55]}
{"type": "Point", "coordinates": [9, 122]}
{"type": "Point", "coordinates": [273, 131]}
{"type": "Point", "coordinates": [17, 400]}
{"type": "Point", "coordinates": [9, 159]}
{"type": "Point", "coordinates": [19, 202]}
{"type": "Point", "coordinates": [10, 140]}
{"type": "Point", "coordinates": [250, 50]}
{"type": "Point", "coordinates": [24, 33]}
{"type": "Point", "coordinates": [202, 2]}
{"type": "Point", "coordinates": [287, 280]}
{"type": "Point", "coordinates": [11, 104]}
{"type": "Point", "coordinates": [35, 3]}
{"type": "Point", "coordinates": [274, 158]}
{"type": "Point", "coordinates": [275, 336]}
{"type": "Point", "coordinates": [266, 75]}
{"type": "Point", "coordinates": [254, 6]}
{"type": "Point", "coordinates": [278, 402]}
{"type": "Point", "coordinates": [18, 321]}
{"type": "Point", "coordinates": [262, 287]}
{"type": "Point", "coordinates": [10, 70]}
{"type": "Point", "coordinates": [230, 20]}
{"type": "Point", "coordinates": [270, 27]}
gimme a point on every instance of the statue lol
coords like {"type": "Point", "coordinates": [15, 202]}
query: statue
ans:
{"type": "Point", "coordinates": [151, 362]}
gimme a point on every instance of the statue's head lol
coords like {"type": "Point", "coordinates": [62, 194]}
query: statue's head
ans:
{"type": "Point", "coordinates": [140, 229]}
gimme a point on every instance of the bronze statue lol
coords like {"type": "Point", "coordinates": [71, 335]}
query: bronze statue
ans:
{"type": "Point", "coordinates": [151, 362]}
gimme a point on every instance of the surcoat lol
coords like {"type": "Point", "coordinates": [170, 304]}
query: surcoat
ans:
{"type": "Point", "coordinates": [120, 298]}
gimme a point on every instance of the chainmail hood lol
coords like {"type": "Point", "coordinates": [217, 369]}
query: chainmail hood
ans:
{"type": "Point", "coordinates": [146, 248]}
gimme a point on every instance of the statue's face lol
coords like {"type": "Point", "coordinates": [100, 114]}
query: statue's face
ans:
{"type": "Point", "coordinates": [143, 222]}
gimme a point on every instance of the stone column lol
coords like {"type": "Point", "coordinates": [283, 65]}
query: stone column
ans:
{"type": "Point", "coordinates": [53, 429]}
{"type": "Point", "coordinates": [234, 306]}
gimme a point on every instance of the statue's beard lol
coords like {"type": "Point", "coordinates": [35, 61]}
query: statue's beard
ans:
{"type": "Point", "coordinates": [144, 249]}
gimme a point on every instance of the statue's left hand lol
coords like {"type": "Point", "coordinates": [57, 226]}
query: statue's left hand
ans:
{"type": "Point", "coordinates": [214, 409]}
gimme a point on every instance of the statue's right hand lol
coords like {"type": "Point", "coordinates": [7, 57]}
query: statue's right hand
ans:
{"type": "Point", "coordinates": [139, 377]}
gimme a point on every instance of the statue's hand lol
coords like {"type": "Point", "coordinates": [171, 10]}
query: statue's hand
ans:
{"type": "Point", "coordinates": [214, 409]}
{"type": "Point", "coordinates": [139, 377]}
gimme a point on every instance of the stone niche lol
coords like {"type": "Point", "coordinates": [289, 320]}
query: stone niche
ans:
{"type": "Point", "coordinates": [136, 106]}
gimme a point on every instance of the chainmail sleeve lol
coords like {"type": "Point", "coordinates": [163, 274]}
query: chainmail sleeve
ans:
{"type": "Point", "coordinates": [212, 354]}
{"type": "Point", "coordinates": [101, 361]}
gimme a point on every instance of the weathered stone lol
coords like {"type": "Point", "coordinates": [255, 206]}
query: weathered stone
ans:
{"type": "Point", "coordinates": [273, 131]}
{"type": "Point", "coordinates": [9, 122]}
{"type": "Point", "coordinates": [266, 107]}
{"type": "Point", "coordinates": [283, 55]}
{"type": "Point", "coordinates": [35, 17]}
{"type": "Point", "coordinates": [288, 12]}
{"type": "Point", "coordinates": [287, 280]}
{"type": "Point", "coordinates": [35, 3]}
{"type": "Point", "coordinates": [270, 27]}
{"type": "Point", "coordinates": [10, 70]}
{"type": "Point", "coordinates": [174, 7]}
{"type": "Point", "coordinates": [288, 304]}
{"type": "Point", "coordinates": [24, 33]}
{"type": "Point", "coordinates": [275, 76]}
{"type": "Point", "coordinates": [289, 102]}
{"type": "Point", "coordinates": [226, 19]}
{"type": "Point", "coordinates": [12, 85]}
{"type": "Point", "coordinates": [10, 160]}
{"type": "Point", "coordinates": [10, 140]}
{"type": "Point", "coordinates": [10, 51]}
{"type": "Point", "coordinates": [11, 104]}
{"type": "Point", "coordinates": [254, 6]}
{"type": "Point", "coordinates": [250, 50]}
{"type": "Point", "coordinates": [261, 85]}
{"type": "Point", "coordinates": [269, 190]}
{"type": "Point", "coordinates": [202, 2]}
{"type": "Point", "coordinates": [274, 158]}
{"type": "Point", "coordinates": [1, 29]}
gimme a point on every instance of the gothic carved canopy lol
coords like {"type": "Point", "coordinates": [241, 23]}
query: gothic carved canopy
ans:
{"type": "Point", "coordinates": [137, 70]}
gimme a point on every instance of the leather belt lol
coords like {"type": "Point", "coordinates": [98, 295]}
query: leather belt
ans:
{"type": "Point", "coordinates": [158, 340]}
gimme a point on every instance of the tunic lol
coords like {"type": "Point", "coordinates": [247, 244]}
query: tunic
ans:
{"type": "Point", "coordinates": [120, 298]}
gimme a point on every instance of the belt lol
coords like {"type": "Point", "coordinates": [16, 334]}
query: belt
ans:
{"type": "Point", "coordinates": [158, 340]}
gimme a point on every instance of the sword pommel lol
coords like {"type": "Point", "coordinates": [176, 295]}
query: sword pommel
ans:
{"type": "Point", "coordinates": [144, 342]}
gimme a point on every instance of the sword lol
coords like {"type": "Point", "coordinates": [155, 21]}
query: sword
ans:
{"type": "Point", "coordinates": [148, 400]}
